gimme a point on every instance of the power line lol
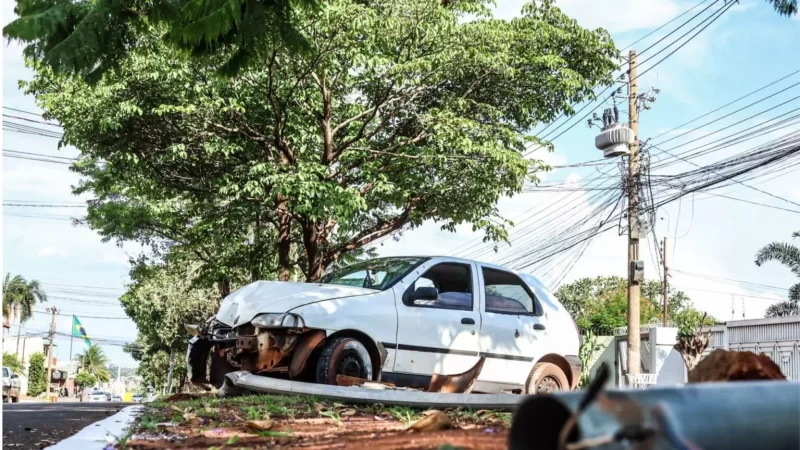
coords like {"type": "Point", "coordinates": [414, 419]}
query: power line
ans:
{"type": "Point", "coordinates": [664, 25]}
{"type": "Point", "coordinates": [22, 111]}
{"type": "Point", "coordinates": [41, 155]}
{"type": "Point", "coordinates": [727, 104]}
{"type": "Point", "coordinates": [734, 112]}
{"type": "Point", "coordinates": [32, 120]}
{"type": "Point", "coordinates": [684, 288]}
{"type": "Point", "coordinates": [84, 316]}
{"type": "Point", "coordinates": [6, 155]}
{"type": "Point", "coordinates": [42, 206]}
{"type": "Point", "coordinates": [752, 202]}
{"type": "Point", "coordinates": [713, 277]}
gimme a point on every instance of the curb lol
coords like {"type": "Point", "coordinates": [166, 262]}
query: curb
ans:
{"type": "Point", "coordinates": [98, 435]}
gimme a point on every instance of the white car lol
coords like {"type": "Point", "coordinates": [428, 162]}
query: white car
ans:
{"type": "Point", "coordinates": [11, 386]}
{"type": "Point", "coordinates": [398, 320]}
{"type": "Point", "coordinates": [98, 396]}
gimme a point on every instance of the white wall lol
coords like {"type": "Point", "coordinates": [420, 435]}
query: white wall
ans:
{"type": "Point", "coordinates": [667, 361]}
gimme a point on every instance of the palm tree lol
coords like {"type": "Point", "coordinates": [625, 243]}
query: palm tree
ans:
{"type": "Point", "coordinates": [19, 296]}
{"type": "Point", "coordinates": [789, 256]}
{"type": "Point", "coordinates": [94, 361]}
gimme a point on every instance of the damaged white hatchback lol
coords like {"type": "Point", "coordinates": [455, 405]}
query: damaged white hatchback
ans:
{"type": "Point", "coordinates": [397, 320]}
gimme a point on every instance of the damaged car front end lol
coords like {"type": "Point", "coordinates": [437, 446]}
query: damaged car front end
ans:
{"type": "Point", "coordinates": [272, 343]}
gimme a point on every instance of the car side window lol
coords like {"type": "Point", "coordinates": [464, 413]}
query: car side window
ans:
{"type": "Point", "coordinates": [506, 293]}
{"type": "Point", "coordinates": [444, 286]}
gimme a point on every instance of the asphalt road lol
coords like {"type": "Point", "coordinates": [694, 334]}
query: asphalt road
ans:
{"type": "Point", "coordinates": [38, 425]}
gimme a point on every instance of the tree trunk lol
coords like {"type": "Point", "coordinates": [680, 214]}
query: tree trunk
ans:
{"type": "Point", "coordinates": [284, 239]}
{"type": "Point", "coordinates": [224, 287]}
{"type": "Point", "coordinates": [692, 348]}
{"type": "Point", "coordinates": [312, 240]}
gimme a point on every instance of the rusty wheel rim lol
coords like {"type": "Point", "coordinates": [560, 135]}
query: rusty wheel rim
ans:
{"type": "Point", "coordinates": [350, 365]}
{"type": "Point", "coordinates": [548, 385]}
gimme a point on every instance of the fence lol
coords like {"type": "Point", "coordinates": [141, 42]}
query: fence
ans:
{"type": "Point", "coordinates": [778, 338]}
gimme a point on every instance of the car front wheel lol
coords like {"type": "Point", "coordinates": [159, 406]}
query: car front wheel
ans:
{"type": "Point", "coordinates": [343, 356]}
{"type": "Point", "coordinates": [546, 378]}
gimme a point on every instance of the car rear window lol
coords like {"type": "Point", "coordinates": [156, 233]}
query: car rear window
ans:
{"type": "Point", "coordinates": [506, 293]}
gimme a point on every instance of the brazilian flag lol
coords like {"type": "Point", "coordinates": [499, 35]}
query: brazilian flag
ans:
{"type": "Point", "coordinates": [79, 331]}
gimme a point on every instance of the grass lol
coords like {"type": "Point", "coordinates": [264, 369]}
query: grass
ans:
{"type": "Point", "coordinates": [231, 411]}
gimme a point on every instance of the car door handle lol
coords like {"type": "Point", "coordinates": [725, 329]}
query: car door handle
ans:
{"type": "Point", "coordinates": [468, 321]}
{"type": "Point", "coordinates": [538, 326]}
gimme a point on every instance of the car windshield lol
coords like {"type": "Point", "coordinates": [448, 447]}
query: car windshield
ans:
{"type": "Point", "coordinates": [6, 373]}
{"type": "Point", "coordinates": [377, 274]}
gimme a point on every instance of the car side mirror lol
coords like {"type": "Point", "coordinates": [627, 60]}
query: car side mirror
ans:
{"type": "Point", "coordinates": [426, 293]}
{"type": "Point", "coordinates": [14, 376]}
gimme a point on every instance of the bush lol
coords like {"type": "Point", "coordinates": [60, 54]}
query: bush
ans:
{"type": "Point", "coordinates": [37, 375]}
{"type": "Point", "coordinates": [84, 380]}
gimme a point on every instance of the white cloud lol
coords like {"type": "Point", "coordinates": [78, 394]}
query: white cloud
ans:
{"type": "Point", "coordinates": [53, 251]}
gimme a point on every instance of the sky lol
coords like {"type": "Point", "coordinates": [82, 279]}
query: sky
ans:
{"type": "Point", "coordinates": [748, 47]}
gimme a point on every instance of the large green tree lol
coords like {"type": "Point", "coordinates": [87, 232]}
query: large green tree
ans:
{"type": "Point", "coordinates": [19, 296]}
{"type": "Point", "coordinates": [399, 112]}
{"type": "Point", "coordinates": [789, 256]}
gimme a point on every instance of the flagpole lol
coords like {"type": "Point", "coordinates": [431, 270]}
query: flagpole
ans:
{"type": "Point", "coordinates": [71, 338]}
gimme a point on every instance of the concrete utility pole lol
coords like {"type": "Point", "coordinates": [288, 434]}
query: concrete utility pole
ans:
{"type": "Point", "coordinates": [634, 358]}
{"type": "Point", "coordinates": [666, 286]}
{"type": "Point", "coordinates": [53, 311]}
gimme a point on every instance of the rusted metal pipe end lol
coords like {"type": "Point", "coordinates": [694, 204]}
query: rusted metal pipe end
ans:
{"type": "Point", "coordinates": [538, 422]}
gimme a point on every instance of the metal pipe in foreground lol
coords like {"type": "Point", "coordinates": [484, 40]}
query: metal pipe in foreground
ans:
{"type": "Point", "coordinates": [735, 415]}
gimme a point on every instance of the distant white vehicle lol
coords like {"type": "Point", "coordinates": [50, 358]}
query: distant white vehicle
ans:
{"type": "Point", "coordinates": [11, 386]}
{"type": "Point", "coordinates": [116, 398]}
{"type": "Point", "coordinates": [399, 320]}
{"type": "Point", "coordinates": [98, 396]}
{"type": "Point", "coordinates": [138, 398]}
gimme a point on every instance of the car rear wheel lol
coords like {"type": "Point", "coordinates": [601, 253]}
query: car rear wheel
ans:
{"type": "Point", "coordinates": [546, 378]}
{"type": "Point", "coordinates": [343, 356]}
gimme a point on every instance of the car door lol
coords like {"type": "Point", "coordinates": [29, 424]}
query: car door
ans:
{"type": "Point", "coordinates": [513, 329]}
{"type": "Point", "coordinates": [437, 335]}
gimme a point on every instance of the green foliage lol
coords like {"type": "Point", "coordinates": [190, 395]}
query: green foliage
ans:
{"type": "Point", "coordinates": [782, 309]}
{"type": "Point", "coordinates": [19, 296]}
{"type": "Point", "coordinates": [89, 38]}
{"type": "Point", "coordinates": [10, 360]}
{"type": "Point", "coordinates": [37, 374]}
{"type": "Point", "coordinates": [160, 300]}
{"type": "Point", "coordinates": [789, 256]}
{"type": "Point", "coordinates": [690, 320]}
{"type": "Point", "coordinates": [600, 304]}
{"type": "Point", "coordinates": [94, 361]}
{"type": "Point", "coordinates": [399, 112]}
{"type": "Point", "coordinates": [586, 353]}
{"type": "Point", "coordinates": [84, 380]}
{"type": "Point", "coordinates": [785, 7]}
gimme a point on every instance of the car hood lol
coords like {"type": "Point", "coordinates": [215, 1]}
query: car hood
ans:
{"type": "Point", "coordinates": [242, 305]}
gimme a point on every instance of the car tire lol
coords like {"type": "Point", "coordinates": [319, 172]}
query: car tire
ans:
{"type": "Point", "coordinates": [343, 356]}
{"type": "Point", "coordinates": [546, 378]}
{"type": "Point", "coordinates": [14, 399]}
{"type": "Point", "coordinates": [219, 368]}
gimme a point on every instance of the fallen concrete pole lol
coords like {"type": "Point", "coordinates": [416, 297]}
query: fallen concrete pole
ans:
{"type": "Point", "coordinates": [235, 382]}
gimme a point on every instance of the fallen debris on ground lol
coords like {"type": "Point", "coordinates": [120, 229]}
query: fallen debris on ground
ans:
{"type": "Point", "coordinates": [273, 421]}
